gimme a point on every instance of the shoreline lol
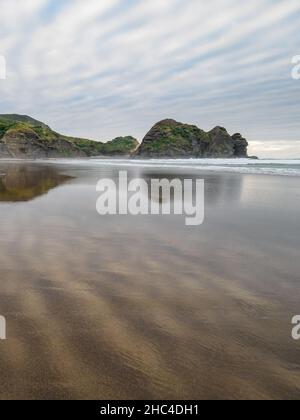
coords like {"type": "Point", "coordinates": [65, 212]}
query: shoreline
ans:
{"type": "Point", "coordinates": [271, 167]}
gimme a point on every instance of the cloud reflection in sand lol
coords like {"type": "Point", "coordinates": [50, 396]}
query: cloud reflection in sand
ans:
{"type": "Point", "coordinates": [142, 307]}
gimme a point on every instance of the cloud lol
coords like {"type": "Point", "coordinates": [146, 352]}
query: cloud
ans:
{"type": "Point", "coordinates": [103, 68]}
{"type": "Point", "coordinates": [272, 149]}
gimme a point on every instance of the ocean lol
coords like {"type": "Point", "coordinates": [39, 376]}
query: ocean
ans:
{"type": "Point", "coordinates": [286, 167]}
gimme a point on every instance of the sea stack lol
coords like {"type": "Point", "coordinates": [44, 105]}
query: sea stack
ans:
{"type": "Point", "coordinates": [172, 139]}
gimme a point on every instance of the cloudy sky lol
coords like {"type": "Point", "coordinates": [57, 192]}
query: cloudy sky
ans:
{"type": "Point", "coordinates": [103, 68]}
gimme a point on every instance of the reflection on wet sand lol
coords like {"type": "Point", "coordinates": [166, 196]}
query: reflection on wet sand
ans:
{"type": "Point", "coordinates": [219, 189]}
{"type": "Point", "coordinates": [143, 307]}
{"type": "Point", "coordinates": [23, 182]}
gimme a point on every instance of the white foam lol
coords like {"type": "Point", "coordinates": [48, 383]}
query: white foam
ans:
{"type": "Point", "coordinates": [246, 166]}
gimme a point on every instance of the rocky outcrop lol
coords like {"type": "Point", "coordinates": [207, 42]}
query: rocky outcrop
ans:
{"type": "Point", "coordinates": [240, 145]}
{"type": "Point", "coordinates": [172, 139]}
{"type": "Point", "coordinates": [120, 146]}
{"type": "Point", "coordinates": [221, 144]}
{"type": "Point", "coordinates": [24, 137]}
{"type": "Point", "coordinates": [24, 143]}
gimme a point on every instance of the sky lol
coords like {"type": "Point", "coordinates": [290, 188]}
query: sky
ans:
{"type": "Point", "coordinates": [104, 68]}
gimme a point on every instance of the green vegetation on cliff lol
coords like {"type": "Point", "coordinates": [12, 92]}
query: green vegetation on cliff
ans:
{"type": "Point", "coordinates": [23, 136]}
{"type": "Point", "coordinates": [120, 146]}
{"type": "Point", "coordinates": [172, 139]}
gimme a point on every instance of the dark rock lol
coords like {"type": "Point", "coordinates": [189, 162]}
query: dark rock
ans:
{"type": "Point", "coordinates": [221, 144]}
{"type": "Point", "coordinates": [240, 145]}
{"type": "Point", "coordinates": [172, 139]}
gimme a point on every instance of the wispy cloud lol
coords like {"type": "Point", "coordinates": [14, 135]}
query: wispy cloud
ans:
{"type": "Point", "coordinates": [111, 67]}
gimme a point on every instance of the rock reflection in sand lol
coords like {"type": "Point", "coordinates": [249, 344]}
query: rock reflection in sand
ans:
{"type": "Point", "coordinates": [24, 182]}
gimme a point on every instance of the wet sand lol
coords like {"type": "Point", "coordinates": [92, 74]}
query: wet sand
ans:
{"type": "Point", "coordinates": [122, 307]}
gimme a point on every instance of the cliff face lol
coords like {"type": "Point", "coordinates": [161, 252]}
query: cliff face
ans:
{"type": "Point", "coordinates": [24, 137]}
{"type": "Point", "coordinates": [240, 145]}
{"type": "Point", "coordinates": [171, 139]}
{"type": "Point", "coordinates": [26, 143]}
